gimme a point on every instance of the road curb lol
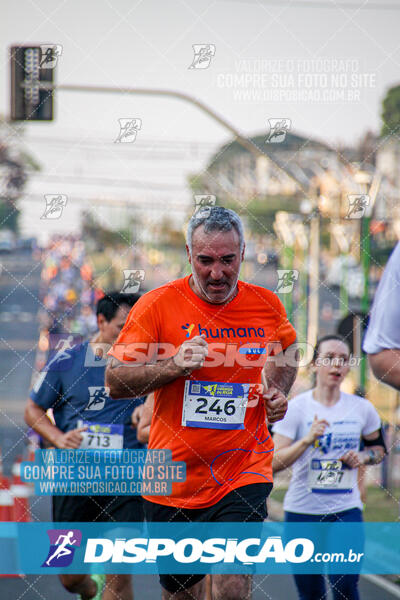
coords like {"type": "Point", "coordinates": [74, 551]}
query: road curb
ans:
{"type": "Point", "coordinates": [383, 583]}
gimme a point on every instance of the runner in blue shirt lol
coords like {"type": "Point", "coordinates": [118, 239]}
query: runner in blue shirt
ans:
{"type": "Point", "coordinates": [72, 385]}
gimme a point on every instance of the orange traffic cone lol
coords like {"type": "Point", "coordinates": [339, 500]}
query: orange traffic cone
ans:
{"type": "Point", "coordinates": [20, 491]}
{"type": "Point", "coordinates": [6, 506]}
{"type": "Point", "coordinates": [6, 500]}
{"type": "Point", "coordinates": [32, 447]}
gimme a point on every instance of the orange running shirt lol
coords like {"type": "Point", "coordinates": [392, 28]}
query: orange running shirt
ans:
{"type": "Point", "coordinates": [217, 460]}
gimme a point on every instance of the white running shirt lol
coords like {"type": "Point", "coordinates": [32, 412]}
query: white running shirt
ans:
{"type": "Point", "coordinates": [384, 325]}
{"type": "Point", "coordinates": [350, 418]}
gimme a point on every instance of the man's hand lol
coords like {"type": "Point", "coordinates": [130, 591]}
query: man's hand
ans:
{"type": "Point", "coordinates": [191, 354]}
{"type": "Point", "coordinates": [136, 415]}
{"type": "Point", "coordinates": [71, 439]}
{"type": "Point", "coordinates": [275, 401]}
{"type": "Point", "coordinates": [317, 429]}
{"type": "Point", "coordinates": [275, 404]}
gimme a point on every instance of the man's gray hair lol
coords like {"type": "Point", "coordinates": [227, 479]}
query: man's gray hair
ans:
{"type": "Point", "coordinates": [215, 218]}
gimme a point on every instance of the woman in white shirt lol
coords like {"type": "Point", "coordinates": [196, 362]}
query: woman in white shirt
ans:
{"type": "Point", "coordinates": [326, 423]}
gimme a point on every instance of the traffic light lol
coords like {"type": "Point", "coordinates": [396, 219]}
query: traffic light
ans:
{"type": "Point", "coordinates": [30, 66]}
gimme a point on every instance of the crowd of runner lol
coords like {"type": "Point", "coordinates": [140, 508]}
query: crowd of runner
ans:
{"type": "Point", "coordinates": [67, 290]}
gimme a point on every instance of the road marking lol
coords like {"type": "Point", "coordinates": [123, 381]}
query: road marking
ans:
{"type": "Point", "coordinates": [383, 583]}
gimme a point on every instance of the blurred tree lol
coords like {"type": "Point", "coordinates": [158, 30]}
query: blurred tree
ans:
{"type": "Point", "coordinates": [101, 236]}
{"type": "Point", "coordinates": [15, 165]}
{"type": "Point", "coordinates": [169, 235]}
{"type": "Point", "coordinates": [367, 148]}
{"type": "Point", "coordinates": [260, 212]}
{"type": "Point", "coordinates": [391, 112]}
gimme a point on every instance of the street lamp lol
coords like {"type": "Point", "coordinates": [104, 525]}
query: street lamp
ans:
{"type": "Point", "coordinates": [284, 232]}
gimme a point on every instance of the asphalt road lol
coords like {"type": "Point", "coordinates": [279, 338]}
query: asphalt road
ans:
{"type": "Point", "coordinates": [19, 304]}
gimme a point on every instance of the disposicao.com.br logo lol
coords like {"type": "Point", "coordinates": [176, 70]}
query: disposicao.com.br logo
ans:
{"type": "Point", "coordinates": [191, 550]}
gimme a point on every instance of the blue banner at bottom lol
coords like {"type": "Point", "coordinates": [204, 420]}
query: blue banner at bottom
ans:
{"type": "Point", "coordinates": [146, 548]}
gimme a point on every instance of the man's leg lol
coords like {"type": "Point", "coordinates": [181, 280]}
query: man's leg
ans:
{"type": "Point", "coordinates": [69, 509]}
{"type": "Point", "coordinates": [231, 587]}
{"type": "Point", "coordinates": [118, 587]}
{"type": "Point", "coordinates": [79, 584]}
{"type": "Point", "coordinates": [121, 509]}
{"type": "Point", "coordinates": [194, 592]}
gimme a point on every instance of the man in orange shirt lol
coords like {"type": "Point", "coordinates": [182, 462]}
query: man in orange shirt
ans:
{"type": "Point", "coordinates": [201, 343]}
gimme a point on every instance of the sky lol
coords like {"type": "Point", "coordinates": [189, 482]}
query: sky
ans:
{"type": "Point", "coordinates": [324, 67]}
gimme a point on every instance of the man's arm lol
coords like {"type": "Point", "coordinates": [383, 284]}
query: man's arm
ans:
{"type": "Point", "coordinates": [385, 366]}
{"type": "Point", "coordinates": [143, 430]}
{"type": "Point", "coordinates": [278, 381]}
{"type": "Point", "coordinates": [282, 378]}
{"type": "Point", "coordinates": [126, 381]}
{"type": "Point", "coordinates": [140, 379]}
{"type": "Point", "coordinates": [35, 417]}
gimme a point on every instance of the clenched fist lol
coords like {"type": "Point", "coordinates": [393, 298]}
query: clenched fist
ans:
{"type": "Point", "coordinates": [70, 439]}
{"type": "Point", "coordinates": [192, 354]}
{"type": "Point", "coordinates": [275, 401]}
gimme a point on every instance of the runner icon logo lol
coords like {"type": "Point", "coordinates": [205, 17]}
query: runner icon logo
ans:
{"type": "Point", "coordinates": [203, 205]}
{"type": "Point", "coordinates": [55, 204]}
{"type": "Point", "coordinates": [357, 205]}
{"type": "Point", "coordinates": [286, 280]}
{"type": "Point", "coordinates": [62, 547]}
{"type": "Point", "coordinates": [278, 128]}
{"type": "Point", "coordinates": [203, 54]}
{"type": "Point", "coordinates": [49, 55]}
{"type": "Point", "coordinates": [98, 397]}
{"type": "Point", "coordinates": [132, 280]}
{"type": "Point", "coordinates": [128, 129]}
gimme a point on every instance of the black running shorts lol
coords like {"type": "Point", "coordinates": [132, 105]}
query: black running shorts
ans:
{"type": "Point", "coordinates": [111, 509]}
{"type": "Point", "coordinates": [245, 504]}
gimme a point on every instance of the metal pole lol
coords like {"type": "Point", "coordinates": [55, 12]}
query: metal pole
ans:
{"type": "Point", "coordinates": [288, 258]}
{"type": "Point", "coordinates": [344, 294]}
{"type": "Point", "coordinates": [365, 263]}
{"type": "Point", "coordinates": [302, 313]}
{"type": "Point", "coordinates": [365, 259]}
{"type": "Point", "coordinates": [313, 304]}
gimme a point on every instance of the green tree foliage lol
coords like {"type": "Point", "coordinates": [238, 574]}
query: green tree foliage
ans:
{"type": "Point", "coordinates": [391, 112]}
{"type": "Point", "coordinates": [101, 236]}
{"type": "Point", "coordinates": [15, 165]}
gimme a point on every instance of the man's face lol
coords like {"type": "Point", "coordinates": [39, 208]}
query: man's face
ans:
{"type": "Point", "coordinates": [215, 260]}
{"type": "Point", "coordinates": [110, 329]}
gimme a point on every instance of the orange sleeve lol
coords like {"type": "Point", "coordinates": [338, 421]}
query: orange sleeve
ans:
{"type": "Point", "coordinates": [139, 335]}
{"type": "Point", "coordinates": [285, 331]}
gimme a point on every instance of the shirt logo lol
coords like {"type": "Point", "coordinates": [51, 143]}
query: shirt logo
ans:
{"type": "Point", "coordinates": [323, 443]}
{"type": "Point", "coordinates": [228, 332]}
{"type": "Point", "coordinates": [188, 328]}
{"type": "Point", "coordinates": [62, 547]}
{"type": "Point", "coordinates": [98, 396]}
